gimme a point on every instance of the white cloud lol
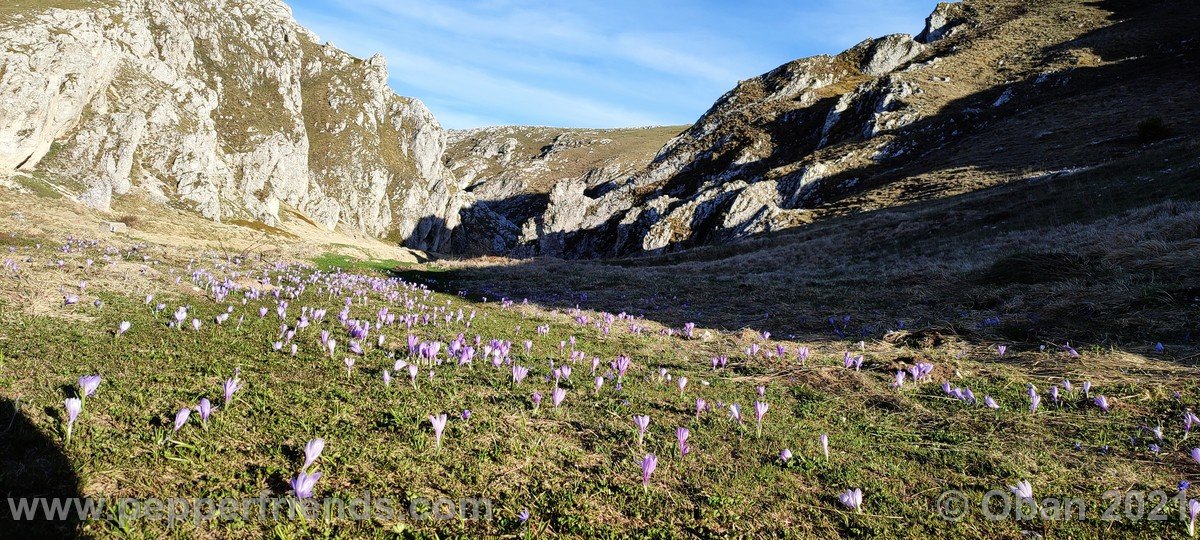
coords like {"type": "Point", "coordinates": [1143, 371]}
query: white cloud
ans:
{"type": "Point", "coordinates": [616, 63]}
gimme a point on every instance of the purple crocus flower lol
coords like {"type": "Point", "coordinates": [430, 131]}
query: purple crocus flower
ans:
{"type": "Point", "coordinates": [88, 385]}
{"type": "Point", "coordinates": [1087, 388]}
{"type": "Point", "coordinates": [682, 383]}
{"type": "Point", "coordinates": [312, 450]}
{"type": "Point", "coordinates": [1189, 420]}
{"type": "Point", "coordinates": [230, 386]}
{"type": "Point", "coordinates": [1001, 349]}
{"type": "Point", "coordinates": [825, 445]}
{"type": "Point", "coordinates": [349, 365]}
{"type": "Point", "coordinates": [1023, 489]}
{"type": "Point", "coordinates": [760, 410]}
{"type": "Point", "coordinates": [519, 373]}
{"type": "Point", "coordinates": [181, 417]}
{"type": "Point", "coordinates": [1034, 401]}
{"type": "Point", "coordinates": [681, 435]}
{"type": "Point", "coordinates": [852, 499]}
{"type": "Point", "coordinates": [74, 406]}
{"type": "Point", "coordinates": [735, 413]}
{"type": "Point", "coordinates": [621, 365]}
{"type": "Point", "coordinates": [557, 396]}
{"type": "Point", "coordinates": [599, 383]}
{"type": "Point", "coordinates": [387, 379]}
{"type": "Point", "coordinates": [785, 456]}
{"type": "Point", "coordinates": [1193, 512]}
{"type": "Point", "coordinates": [990, 403]}
{"type": "Point", "coordinates": [205, 409]}
{"type": "Point", "coordinates": [1101, 402]}
{"type": "Point", "coordinates": [439, 424]}
{"type": "Point", "coordinates": [642, 422]}
{"type": "Point", "coordinates": [700, 406]}
{"type": "Point", "coordinates": [412, 374]}
{"type": "Point", "coordinates": [523, 516]}
{"type": "Point", "coordinates": [802, 355]}
{"type": "Point", "coordinates": [649, 463]}
{"type": "Point", "coordinates": [537, 400]}
{"type": "Point", "coordinates": [1196, 455]}
{"type": "Point", "coordinates": [304, 483]}
{"type": "Point", "coordinates": [124, 327]}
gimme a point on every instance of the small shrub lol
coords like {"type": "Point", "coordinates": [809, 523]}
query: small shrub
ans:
{"type": "Point", "coordinates": [1152, 129]}
{"type": "Point", "coordinates": [130, 220]}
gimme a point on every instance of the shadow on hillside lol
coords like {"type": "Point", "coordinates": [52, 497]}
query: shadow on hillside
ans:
{"type": "Point", "coordinates": [1063, 120]}
{"type": "Point", "coordinates": [1055, 121]}
{"type": "Point", "coordinates": [31, 466]}
{"type": "Point", "coordinates": [852, 277]}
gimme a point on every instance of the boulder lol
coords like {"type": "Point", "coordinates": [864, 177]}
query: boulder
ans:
{"type": "Point", "coordinates": [113, 227]}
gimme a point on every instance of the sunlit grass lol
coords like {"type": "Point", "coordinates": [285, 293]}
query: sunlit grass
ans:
{"type": "Point", "coordinates": [576, 468]}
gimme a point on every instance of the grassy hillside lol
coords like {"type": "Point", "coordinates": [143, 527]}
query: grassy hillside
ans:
{"type": "Point", "coordinates": [539, 164]}
{"type": "Point", "coordinates": [1103, 254]}
{"type": "Point", "coordinates": [575, 469]}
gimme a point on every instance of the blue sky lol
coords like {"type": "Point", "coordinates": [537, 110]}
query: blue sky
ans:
{"type": "Point", "coordinates": [573, 63]}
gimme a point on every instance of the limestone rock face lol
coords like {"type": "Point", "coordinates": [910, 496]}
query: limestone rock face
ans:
{"type": "Point", "coordinates": [889, 121]}
{"type": "Point", "coordinates": [746, 166]}
{"type": "Point", "coordinates": [888, 53]}
{"type": "Point", "coordinates": [227, 107]}
{"type": "Point", "coordinates": [529, 186]}
{"type": "Point", "coordinates": [945, 17]}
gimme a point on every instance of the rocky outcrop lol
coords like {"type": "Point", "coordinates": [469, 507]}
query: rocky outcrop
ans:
{"type": "Point", "coordinates": [780, 149]}
{"type": "Point", "coordinates": [886, 54]}
{"type": "Point", "coordinates": [226, 107]}
{"type": "Point", "coordinates": [514, 174]}
{"type": "Point", "coordinates": [943, 21]}
{"type": "Point", "coordinates": [744, 166]}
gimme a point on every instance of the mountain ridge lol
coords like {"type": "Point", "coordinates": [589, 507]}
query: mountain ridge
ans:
{"type": "Point", "coordinates": [231, 109]}
{"type": "Point", "coordinates": [830, 134]}
{"type": "Point", "coordinates": [226, 107]}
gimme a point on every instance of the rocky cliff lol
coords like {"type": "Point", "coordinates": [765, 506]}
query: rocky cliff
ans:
{"type": "Point", "coordinates": [226, 107]}
{"type": "Point", "coordinates": [989, 91]}
{"type": "Point", "coordinates": [231, 109]}
{"type": "Point", "coordinates": [511, 173]}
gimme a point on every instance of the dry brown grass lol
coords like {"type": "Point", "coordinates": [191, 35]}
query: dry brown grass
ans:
{"type": "Point", "coordinates": [1117, 264]}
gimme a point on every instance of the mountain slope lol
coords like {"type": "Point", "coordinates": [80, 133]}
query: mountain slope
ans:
{"type": "Point", "coordinates": [225, 107]}
{"type": "Point", "coordinates": [989, 92]}
{"type": "Point", "coordinates": [511, 172]}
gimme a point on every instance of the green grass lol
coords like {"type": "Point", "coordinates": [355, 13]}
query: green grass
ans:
{"type": "Point", "coordinates": [575, 469]}
{"type": "Point", "coordinates": [39, 187]}
{"type": "Point", "coordinates": [338, 261]}
{"type": "Point", "coordinates": [261, 227]}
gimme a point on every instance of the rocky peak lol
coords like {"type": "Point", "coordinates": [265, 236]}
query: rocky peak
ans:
{"type": "Point", "coordinates": [226, 107]}
{"type": "Point", "coordinates": [781, 149]}
{"type": "Point", "coordinates": [944, 19]}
